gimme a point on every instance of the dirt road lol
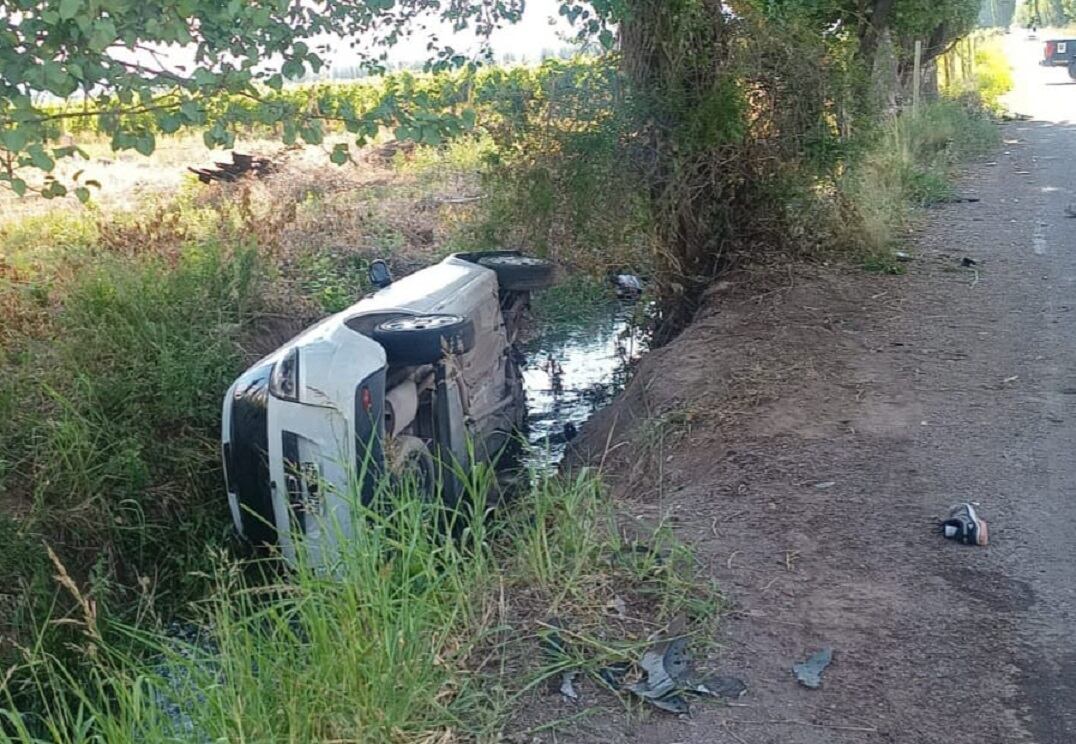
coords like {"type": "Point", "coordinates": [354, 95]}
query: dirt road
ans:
{"type": "Point", "coordinates": [831, 422]}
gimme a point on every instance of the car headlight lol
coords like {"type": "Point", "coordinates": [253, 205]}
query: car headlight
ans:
{"type": "Point", "coordinates": [284, 381]}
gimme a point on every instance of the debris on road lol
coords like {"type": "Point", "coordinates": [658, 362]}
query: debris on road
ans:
{"type": "Point", "coordinates": [616, 608]}
{"type": "Point", "coordinates": [720, 686]}
{"type": "Point", "coordinates": [1070, 210]}
{"type": "Point", "coordinates": [809, 673]}
{"type": "Point", "coordinates": [902, 256]}
{"type": "Point", "coordinates": [964, 525]}
{"type": "Point", "coordinates": [967, 262]}
{"type": "Point", "coordinates": [825, 486]}
{"type": "Point", "coordinates": [567, 684]}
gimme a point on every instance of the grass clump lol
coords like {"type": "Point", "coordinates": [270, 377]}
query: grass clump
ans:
{"type": "Point", "coordinates": [411, 635]}
{"type": "Point", "coordinates": [908, 163]}
{"type": "Point", "coordinates": [108, 421]}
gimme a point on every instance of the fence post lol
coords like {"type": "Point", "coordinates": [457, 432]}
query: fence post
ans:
{"type": "Point", "coordinates": [917, 80]}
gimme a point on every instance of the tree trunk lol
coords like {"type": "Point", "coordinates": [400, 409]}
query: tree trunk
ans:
{"type": "Point", "coordinates": [674, 56]}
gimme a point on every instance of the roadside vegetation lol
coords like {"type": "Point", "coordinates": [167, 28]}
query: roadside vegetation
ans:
{"type": "Point", "coordinates": [412, 636]}
{"type": "Point", "coordinates": [124, 321]}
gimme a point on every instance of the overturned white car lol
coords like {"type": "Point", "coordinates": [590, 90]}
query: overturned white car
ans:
{"type": "Point", "coordinates": [416, 379]}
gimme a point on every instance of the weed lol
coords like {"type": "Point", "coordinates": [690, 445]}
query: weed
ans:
{"type": "Point", "coordinates": [109, 429]}
{"type": "Point", "coordinates": [883, 262]}
{"type": "Point", "coordinates": [908, 163]}
{"type": "Point", "coordinates": [409, 636]}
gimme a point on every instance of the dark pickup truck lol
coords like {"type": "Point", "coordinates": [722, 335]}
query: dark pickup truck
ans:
{"type": "Point", "coordinates": [1059, 53]}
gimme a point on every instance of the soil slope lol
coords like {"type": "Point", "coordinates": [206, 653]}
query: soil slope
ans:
{"type": "Point", "coordinates": [806, 440]}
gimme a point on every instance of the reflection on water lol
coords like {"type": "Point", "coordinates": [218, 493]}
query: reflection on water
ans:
{"type": "Point", "coordinates": [571, 372]}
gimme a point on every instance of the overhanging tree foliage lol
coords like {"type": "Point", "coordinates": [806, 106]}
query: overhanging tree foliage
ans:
{"type": "Point", "coordinates": [118, 57]}
{"type": "Point", "coordinates": [727, 99]}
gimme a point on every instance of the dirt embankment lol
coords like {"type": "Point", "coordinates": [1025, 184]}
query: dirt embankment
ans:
{"type": "Point", "coordinates": [804, 437]}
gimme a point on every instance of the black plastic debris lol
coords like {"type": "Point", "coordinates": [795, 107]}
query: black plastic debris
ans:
{"type": "Point", "coordinates": [1070, 211]}
{"type": "Point", "coordinates": [967, 262]}
{"type": "Point", "coordinates": [959, 200]}
{"type": "Point", "coordinates": [721, 686]}
{"type": "Point", "coordinates": [613, 675]}
{"type": "Point", "coordinates": [669, 676]}
{"type": "Point", "coordinates": [809, 672]}
{"type": "Point", "coordinates": [965, 525]}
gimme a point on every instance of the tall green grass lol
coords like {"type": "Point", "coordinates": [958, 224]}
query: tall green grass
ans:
{"type": "Point", "coordinates": [109, 416]}
{"type": "Point", "coordinates": [908, 162]}
{"type": "Point", "coordinates": [426, 628]}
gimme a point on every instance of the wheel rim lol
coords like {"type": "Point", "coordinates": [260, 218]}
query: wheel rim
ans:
{"type": "Point", "coordinates": [421, 322]}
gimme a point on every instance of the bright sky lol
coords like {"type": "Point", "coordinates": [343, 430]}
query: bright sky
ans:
{"type": "Point", "coordinates": [525, 39]}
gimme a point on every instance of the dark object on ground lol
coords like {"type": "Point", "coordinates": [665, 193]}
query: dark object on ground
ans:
{"type": "Point", "coordinates": [567, 684]}
{"type": "Point", "coordinates": [1070, 211]}
{"type": "Point", "coordinates": [809, 672]}
{"type": "Point", "coordinates": [628, 286]}
{"type": "Point", "coordinates": [967, 263]}
{"type": "Point", "coordinates": [959, 200]}
{"type": "Point", "coordinates": [240, 166]}
{"type": "Point", "coordinates": [964, 525]}
{"type": "Point", "coordinates": [720, 686]}
{"type": "Point", "coordinates": [613, 675]}
{"type": "Point", "coordinates": [902, 256]}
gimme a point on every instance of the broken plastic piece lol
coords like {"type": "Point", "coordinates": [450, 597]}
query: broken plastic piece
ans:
{"type": "Point", "coordinates": [965, 525]}
{"type": "Point", "coordinates": [967, 262]}
{"type": "Point", "coordinates": [720, 686]}
{"type": "Point", "coordinates": [809, 672]}
{"type": "Point", "coordinates": [567, 684]}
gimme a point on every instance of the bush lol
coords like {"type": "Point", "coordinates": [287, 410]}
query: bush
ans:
{"type": "Point", "coordinates": [411, 636]}
{"type": "Point", "coordinates": [109, 428]}
{"type": "Point", "coordinates": [907, 161]}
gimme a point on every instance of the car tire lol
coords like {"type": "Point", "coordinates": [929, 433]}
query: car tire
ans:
{"type": "Point", "coordinates": [423, 339]}
{"type": "Point", "coordinates": [1072, 69]}
{"type": "Point", "coordinates": [517, 273]}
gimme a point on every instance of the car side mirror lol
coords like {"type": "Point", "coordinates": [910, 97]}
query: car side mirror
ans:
{"type": "Point", "coordinates": [379, 274]}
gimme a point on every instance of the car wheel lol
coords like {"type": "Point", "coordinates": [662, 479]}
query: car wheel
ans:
{"type": "Point", "coordinates": [1072, 69]}
{"type": "Point", "coordinates": [411, 463]}
{"type": "Point", "coordinates": [517, 273]}
{"type": "Point", "coordinates": [423, 339]}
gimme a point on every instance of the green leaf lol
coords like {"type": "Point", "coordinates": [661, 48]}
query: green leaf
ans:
{"type": "Point", "coordinates": [18, 186]}
{"type": "Point", "coordinates": [191, 111]}
{"type": "Point", "coordinates": [606, 39]}
{"type": "Point", "coordinates": [339, 154]}
{"type": "Point", "coordinates": [430, 136]}
{"type": "Point", "coordinates": [39, 158]}
{"type": "Point", "coordinates": [69, 9]}
{"type": "Point", "coordinates": [468, 117]}
{"type": "Point", "coordinates": [14, 139]}
{"type": "Point", "coordinates": [311, 133]}
{"type": "Point", "coordinates": [276, 81]}
{"type": "Point", "coordinates": [83, 194]}
{"type": "Point", "coordinates": [145, 144]}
